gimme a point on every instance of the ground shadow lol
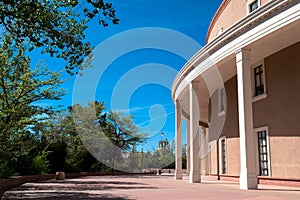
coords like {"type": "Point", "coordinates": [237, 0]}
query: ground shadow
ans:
{"type": "Point", "coordinates": [62, 196]}
{"type": "Point", "coordinates": [87, 188]}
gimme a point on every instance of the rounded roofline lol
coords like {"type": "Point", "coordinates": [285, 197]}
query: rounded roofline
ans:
{"type": "Point", "coordinates": [230, 41]}
{"type": "Point", "coordinates": [216, 17]}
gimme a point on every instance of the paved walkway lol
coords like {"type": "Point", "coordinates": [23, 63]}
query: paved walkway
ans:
{"type": "Point", "coordinates": [144, 188]}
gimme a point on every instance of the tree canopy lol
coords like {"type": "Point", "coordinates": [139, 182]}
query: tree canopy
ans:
{"type": "Point", "coordinates": [55, 26]}
{"type": "Point", "coordinates": [22, 90]}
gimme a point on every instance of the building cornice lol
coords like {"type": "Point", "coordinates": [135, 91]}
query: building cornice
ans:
{"type": "Point", "coordinates": [247, 23]}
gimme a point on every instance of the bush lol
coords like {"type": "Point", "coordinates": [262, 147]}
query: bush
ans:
{"type": "Point", "coordinates": [40, 164]}
{"type": "Point", "coordinates": [5, 171]}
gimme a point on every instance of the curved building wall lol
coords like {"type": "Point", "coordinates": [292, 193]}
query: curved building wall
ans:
{"type": "Point", "coordinates": [230, 12]}
{"type": "Point", "coordinates": [230, 130]}
{"type": "Point", "coordinates": [280, 111]}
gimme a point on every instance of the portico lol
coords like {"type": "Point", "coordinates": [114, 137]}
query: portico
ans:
{"type": "Point", "coordinates": [199, 91]}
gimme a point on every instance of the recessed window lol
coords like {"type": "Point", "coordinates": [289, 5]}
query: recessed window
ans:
{"type": "Point", "coordinates": [253, 6]}
{"type": "Point", "coordinates": [259, 86]}
{"type": "Point", "coordinates": [263, 151]}
{"type": "Point", "coordinates": [223, 156]}
{"type": "Point", "coordinates": [222, 100]}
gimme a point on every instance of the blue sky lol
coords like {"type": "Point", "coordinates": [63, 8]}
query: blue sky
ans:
{"type": "Point", "coordinates": [190, 17]}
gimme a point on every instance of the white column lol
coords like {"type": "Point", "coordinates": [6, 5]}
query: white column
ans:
{"type": "Point", "coordinates": [248, 176]}
{"type": "Point", "coordinates": [188, 148]}
{"type": "Point", "coordinates": [178, 148]}
{"type": "Point", "coordinates": [208, 152]}
{"type": "Point", "coordinates": [204, 146]}
{"type": "Point", "coordinates": [195, 176]}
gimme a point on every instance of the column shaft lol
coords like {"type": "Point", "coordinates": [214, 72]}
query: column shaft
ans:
{"type": "Point", "coordinates": [195, 176]}
{"type": "Point", "coordinates": [188, 148]}
{"type": "Point", "coordinates": [248, 175]}
{"type": "Point", "coordinates": [178, 148]}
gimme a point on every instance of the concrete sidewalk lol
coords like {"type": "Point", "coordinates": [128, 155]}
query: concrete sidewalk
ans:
{"type": "Point", "coordinates": [144, 188]}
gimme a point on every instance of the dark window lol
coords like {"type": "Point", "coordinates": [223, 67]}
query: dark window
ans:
{"type": "Point", "coordinates": [259, 81]}
{"type": "Point", "coordinates": [222, 100]}
{"type": "Point", "coordinates": [253, 6]}
{"type": "Point", "coordinates": [263, 153]}
{"type": "Point", "coordinates": [223, 152]}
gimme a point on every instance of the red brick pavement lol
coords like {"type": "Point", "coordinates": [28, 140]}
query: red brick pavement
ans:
{"type": "Point", "coordinates": [145, 188]}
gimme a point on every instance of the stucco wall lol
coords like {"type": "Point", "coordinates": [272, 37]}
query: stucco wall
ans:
{"type": "Point", "coordinates": [227, 18]}
{"type": "Point", "coordinates": [232, 12]}
{"type": "Point", "coordinates": [227, 129]}
{"type": "Point", "coordinates": [284, 155]}
{"type": "Point", "coordinates": [280, 111]}
{"type": "Point", "coordinates": [216, 121]}
{"type": "Point", "coordinates": [213, 158]}
{"type": "Point", "coordinates": [231, 125]}
{"type": "Point", "coordinates": [226, 124]}
{"type": "Point", "coordinates": [233, 156]}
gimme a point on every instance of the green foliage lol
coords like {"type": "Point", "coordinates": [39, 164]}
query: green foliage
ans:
{"type": "Point", "coordinates": [162, 157]}
{"type": "Point", "coordinates": [56, 26]}
{"type": "Point", "coordinates": [107, 135]}
{"type": "Point", "coordinates": [40, 164]}
{"type": "Point", "coordinates": [27, 127]}
{"type": "Point", "coordinates": [5, 170]}
{"type": "Point", "coordinates": [22, 89]}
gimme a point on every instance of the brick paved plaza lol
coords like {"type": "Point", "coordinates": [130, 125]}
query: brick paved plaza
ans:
{"type": "Point", "coordinates": [145, 188]}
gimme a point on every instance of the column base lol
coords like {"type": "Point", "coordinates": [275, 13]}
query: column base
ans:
{"type": "Point", "coordinates": [187, 172]}
{"type": "Point", "coordinates": [248, 180]}
{"type": "Point", "coordinates": [178, 174]}
{"type": "Point", "coordinates": [195, 177]}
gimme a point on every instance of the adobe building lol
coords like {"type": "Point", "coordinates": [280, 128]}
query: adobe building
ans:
{"type": "Point", "coordinates": [240, 96]}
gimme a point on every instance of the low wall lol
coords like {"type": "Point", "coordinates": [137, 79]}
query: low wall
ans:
{"type": "Point", "coordinates": [264, 180]}
{"type": "Point", "coordinates": [279, 181]}
{"type": "Point", "coordinates": [7, 184]}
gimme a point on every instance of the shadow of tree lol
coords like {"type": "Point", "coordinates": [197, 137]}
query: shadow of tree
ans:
{"type": "Point", "coordinates": [63, 195]}
{"type": "Point", "coordinates": [87, 188]}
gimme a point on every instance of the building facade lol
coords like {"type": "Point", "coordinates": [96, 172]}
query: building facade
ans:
{"type": "Point", "coordinates": [240, 96]}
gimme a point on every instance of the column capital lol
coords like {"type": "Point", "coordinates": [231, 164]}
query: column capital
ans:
{"type": "Point", "coordinates": [194, 85]}
{"type": "Point", "coordinates": [243, 50]}
{"type": "Point", "coordinates": [242, 54]}
{"type": "Point", "coordinates": [178, 103]}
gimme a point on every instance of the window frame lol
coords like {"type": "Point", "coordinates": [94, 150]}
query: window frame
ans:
{"type": "Point", "coordinates": [264, 94]}
{"type": "Point", "coordinates": [221, 101]}
{"type": "Point", "coordinates": [223, 157]}
{"type": "Point", "coordinates": [250, 2]}
{"type": "Point", "coordinates": [259, 74]}
{"type": "Point", "coordinates": [256, 131]}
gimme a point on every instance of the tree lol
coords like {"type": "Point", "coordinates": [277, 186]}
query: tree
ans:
{"type": "Point", "coordinates": [108, 136]}
{"type": "Point", "coordinates": [162, 157]}
{"type": "Point", "coordinates": [21, 91]}
{"type": "Point", "coordinates": [57, 26]}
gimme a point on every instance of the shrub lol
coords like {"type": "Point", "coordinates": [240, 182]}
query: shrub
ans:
{"type": "Point", "coordinates": [40, 164]}
{"type": "Point", "coordinates": [5, 171]}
